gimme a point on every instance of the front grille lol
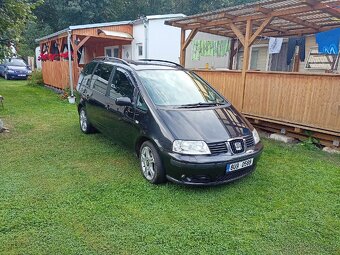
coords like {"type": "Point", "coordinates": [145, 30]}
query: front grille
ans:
{"type": "Point", "coordinates": [237, 146]}
{"type": "Point", "coordinates": [217, 148]}
{"type": "Point", "coordinates": [249, 141]}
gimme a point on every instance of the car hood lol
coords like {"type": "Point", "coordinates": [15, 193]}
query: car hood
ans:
{"type": "Point", "coordinates": [207, 124]}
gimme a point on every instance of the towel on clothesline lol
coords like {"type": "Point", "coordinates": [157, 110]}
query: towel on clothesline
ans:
{"type": "Point", "coordinates": [328, 41]}
{"type": "Point", "coordinates": [275, 45]}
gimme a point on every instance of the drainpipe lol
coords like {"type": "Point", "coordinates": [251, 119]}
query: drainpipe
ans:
{"type": "Point", "coordinates": [70, 62]}
{"type": "Point", "coordinates": [146, 34]}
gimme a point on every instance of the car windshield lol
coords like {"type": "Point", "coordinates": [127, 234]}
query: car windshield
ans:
{"type": "Point", "coordinates": [178, 88]}
{"type": "Point", "coordinates": [16, 62]}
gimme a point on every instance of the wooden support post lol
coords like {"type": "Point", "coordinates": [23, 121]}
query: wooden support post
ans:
{"type": "Point", "coordinates": [120, 51]}
{"type": "Point", "coordinates": [246, 54]}
{"type": "Point", "coordinates": [183, 50]}
{"type": "Point", "coordinates": [232, 53]}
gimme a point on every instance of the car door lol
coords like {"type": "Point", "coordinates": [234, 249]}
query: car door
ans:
{"type": "Point", "coordinates": [96, 101]}
{"type": "Point", "coordinates": [122, 127]}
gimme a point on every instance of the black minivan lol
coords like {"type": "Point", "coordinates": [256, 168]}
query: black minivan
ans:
{"type": "Point", "coordinates": [181, 129]}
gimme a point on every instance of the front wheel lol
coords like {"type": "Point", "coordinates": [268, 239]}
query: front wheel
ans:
{"type": "Point", "coordinates": [6, 76]}
{"type": "Point", "coordinates": [85, 125]}
{"type": "Point", "coordinates": [151, 164]}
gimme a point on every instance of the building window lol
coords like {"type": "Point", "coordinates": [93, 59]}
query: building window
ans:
{"type": "Point", "coordinates": [140, 49]}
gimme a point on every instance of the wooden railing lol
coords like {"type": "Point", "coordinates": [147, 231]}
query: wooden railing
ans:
{"type": "Point", "coordinates": [310, 100]}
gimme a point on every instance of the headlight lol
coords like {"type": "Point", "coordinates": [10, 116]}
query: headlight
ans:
{"type": "Point", "coordinates": [190, 147]}
{"type": "Point", "coordinates": [256, 136]}
{"type": "Point", "coordinates": [10, 71]}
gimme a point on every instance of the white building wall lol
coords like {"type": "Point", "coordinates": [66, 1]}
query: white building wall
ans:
{"type": "Point", "coordinates": [138, 38]}
{"type": "Point", "coordinates": [163, 41]}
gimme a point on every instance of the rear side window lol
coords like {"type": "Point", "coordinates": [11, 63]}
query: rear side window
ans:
{"type": "Point", "coordinates": [87, 73]}
{"type": "Point", "coordinates": [121, 86]}
{"type": "Point", "coordinates": [88, 69]}
{"type": "Point", "coordinates": [101, 77]}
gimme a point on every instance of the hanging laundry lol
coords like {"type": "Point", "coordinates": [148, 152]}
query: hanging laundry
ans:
{"type": "Point", "coordinates": [275, 45]}
{"type": "Point", "coordinates": [328, 41]}
{"type": "Point", "coordinates": [292, 43]}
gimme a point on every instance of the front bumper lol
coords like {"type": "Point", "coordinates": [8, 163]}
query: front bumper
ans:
{"type": "Point", "coordinates": [208, 170]}
{"type": "Point", "coordinates": [17, 76]}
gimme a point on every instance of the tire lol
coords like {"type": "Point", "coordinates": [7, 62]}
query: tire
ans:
{"type": "Point", "coordinates": [85, 125]}
{"type": "Point", "coordinates": [6, 76]}
{"type": "Point", "coordinates": [150, 164]}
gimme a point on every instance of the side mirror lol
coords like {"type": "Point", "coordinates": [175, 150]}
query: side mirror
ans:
{"type": "Point", "coordinates": [123, 101]}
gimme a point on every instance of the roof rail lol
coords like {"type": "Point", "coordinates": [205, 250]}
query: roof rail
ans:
{"type": "Point", "coordinates": [119, 60]}
{"type": "Point", "coordinates": [162, 61]}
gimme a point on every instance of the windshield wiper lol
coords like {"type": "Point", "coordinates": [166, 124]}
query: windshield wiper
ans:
{"type": "Point", "coordinates": [201, 104]}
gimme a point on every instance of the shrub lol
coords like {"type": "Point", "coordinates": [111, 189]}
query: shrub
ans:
{"type": "Point", "coordinates": [36, 79]}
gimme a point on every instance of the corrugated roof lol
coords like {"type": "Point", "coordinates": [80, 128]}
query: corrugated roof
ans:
{"type": "Point", "coordinates": [289, 17]}
{"type": "Point", "coordinates": [119, 23]}
{"type": "Point", "coordinates": [107, 24]}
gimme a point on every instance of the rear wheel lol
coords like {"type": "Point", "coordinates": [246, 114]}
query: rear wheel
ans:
{"type": "Point", "coordinates": [85, 125]}
{"type": "Point", "coordinates": [151, 164]}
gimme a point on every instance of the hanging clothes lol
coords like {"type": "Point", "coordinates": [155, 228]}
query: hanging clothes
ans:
{"type": "Point", "coordinates": [292, 43]}
{"type": "Point", "coordinates": [328, 41]}
{"type": "Point", "coordinates": [275, 45]}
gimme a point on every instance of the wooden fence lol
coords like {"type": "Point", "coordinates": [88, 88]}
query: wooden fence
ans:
{"type": "Point", "coordinates": [55, 73]}
{"type": "Point", "coordinates": [309, 100]}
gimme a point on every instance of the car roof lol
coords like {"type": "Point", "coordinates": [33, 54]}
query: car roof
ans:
{"type": "Point", "coordinates": [143, 64]}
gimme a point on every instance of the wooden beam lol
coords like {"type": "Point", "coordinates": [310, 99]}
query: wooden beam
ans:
{"type": "Point", "coordinates": [238, 33]}
{"type": "Point", "coordinates": [82, 42]}
{"type": "Point", "coordinates": [246, 55]}
{"type": "Point", "coordinates": [183, 50]}
{"type": "Point", "coordinates": [263, 26]}
{"type": "Point", "coordinates": [189, 39]}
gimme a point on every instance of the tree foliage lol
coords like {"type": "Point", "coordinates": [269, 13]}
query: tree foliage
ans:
{"type": "Point", "coordinates": [14, 15]}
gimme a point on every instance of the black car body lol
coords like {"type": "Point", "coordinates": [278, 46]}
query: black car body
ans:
{"type": "Point", "coordinates": [179, 126]}
{"type": "Point", "coordinates": [14, 68]}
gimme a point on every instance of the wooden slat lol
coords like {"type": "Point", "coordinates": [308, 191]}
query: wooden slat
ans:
{"type": "Point", "coordinates": [227, 83]}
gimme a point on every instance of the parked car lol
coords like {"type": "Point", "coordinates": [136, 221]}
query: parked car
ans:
{"type": "Point", "coordinates": [181, 129]}
{"type": "Point", "coordinates": [14, 68]}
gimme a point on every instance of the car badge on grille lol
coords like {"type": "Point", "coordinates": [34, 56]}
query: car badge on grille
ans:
{"type": "Point", "coordinates": [238, 146]}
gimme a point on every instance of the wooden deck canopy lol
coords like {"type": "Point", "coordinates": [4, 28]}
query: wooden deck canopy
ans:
{"type": "Point", "coordinates": [93, 36]}
{"type": "Point", "coordinates": [276, 18]}
{"type": "Point", "coordinates": [278, 97]}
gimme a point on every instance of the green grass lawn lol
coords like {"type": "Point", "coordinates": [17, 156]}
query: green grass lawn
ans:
{"type": "Point", "coordinates": [63, 192]}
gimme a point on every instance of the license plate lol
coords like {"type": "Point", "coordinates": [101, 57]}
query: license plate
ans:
{"type": "Point", "coordinates": [239, 165]}
{"type": "Point", "coordinates": [21, 74]}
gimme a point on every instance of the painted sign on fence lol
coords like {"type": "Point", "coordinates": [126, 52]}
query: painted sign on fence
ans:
{"type": "Point", "coordinates": [206, 48]}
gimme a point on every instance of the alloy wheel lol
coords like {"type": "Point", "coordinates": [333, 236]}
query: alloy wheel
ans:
{"type": "Point", "coordinates": [148, 163]}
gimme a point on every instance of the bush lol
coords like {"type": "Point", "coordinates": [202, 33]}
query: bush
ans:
{"type": "Point", "coordinates": [36, 79]}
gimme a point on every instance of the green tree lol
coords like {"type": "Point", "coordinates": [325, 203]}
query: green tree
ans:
{"type": "Point", "coordinates": [14, 15]}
